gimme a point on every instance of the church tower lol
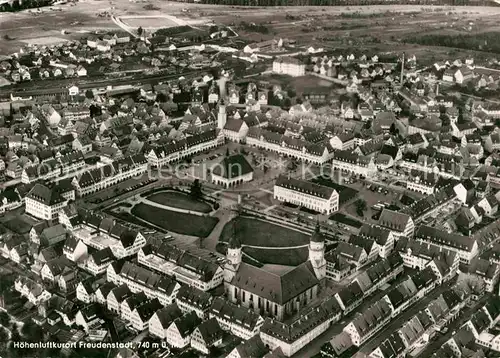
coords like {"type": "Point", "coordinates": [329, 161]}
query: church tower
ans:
{"type": "Point", "coordinates": [233, 256]}
{"type": "Point", "coordinates": [221, 115]}
{"type": "Point", "coordinates": [317, 253]}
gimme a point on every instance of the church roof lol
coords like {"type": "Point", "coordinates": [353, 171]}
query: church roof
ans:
{"type": "Point", "coordinates": [273, 287]}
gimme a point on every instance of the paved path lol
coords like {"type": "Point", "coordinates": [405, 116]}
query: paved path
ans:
{"type": "Point", "coordinates": [142, 200]}
{"type": "Point", "coordinates": [275, 247]}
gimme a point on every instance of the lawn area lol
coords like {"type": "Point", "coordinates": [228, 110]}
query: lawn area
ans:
{"type": "Point", "coordinates": [288, 257]}
{"type": "Point", "coordinates": [180, 201]}
{"type": "Point", "coordinates": [180, 223]}
{"type": "Point", "coordinates": [256, 232]}
{"type": "Point", "coordinates": [345, 193]}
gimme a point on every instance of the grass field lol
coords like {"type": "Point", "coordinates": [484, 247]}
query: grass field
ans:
{"type": "Point", "coordinates": [261, 233]}
{"type": "Point", "coordinates": [180, 223]}
{"type": "Point", "coordinates": [287, 257]}
{"type": "Point", "coordinates": [180, 201]}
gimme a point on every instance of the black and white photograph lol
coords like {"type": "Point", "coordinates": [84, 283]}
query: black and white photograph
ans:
{"type": "Point", "coordinates": [249, 178]}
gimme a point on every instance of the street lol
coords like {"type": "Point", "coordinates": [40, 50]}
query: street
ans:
{"type": "Point", "coordinates": [404, 317]}
{"type": "Point", "coordinates": [457, 323]}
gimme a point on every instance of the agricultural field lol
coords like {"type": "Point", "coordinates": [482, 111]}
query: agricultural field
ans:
{"type": "Point", "coordinates": [367, 28]}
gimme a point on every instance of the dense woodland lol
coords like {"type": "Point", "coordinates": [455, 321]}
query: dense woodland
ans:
{"type": "Point", "coordinates": [487, 42]}
{"type": "Point", "coordinates": [18, 5]}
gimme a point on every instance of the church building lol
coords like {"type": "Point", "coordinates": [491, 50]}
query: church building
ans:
{"type": "Point", "coordinates": [270, 293]}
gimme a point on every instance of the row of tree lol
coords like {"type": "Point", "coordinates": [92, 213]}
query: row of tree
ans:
{"type": "Point", "coordinates": [487, 42]}
{"type": "Point", "coordinates": [17, 5]}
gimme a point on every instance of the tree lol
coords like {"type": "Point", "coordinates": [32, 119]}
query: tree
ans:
{"type": "Point", "coordinates": [161, 97]}
{"type": "Point", "coordinates": [196, 191]}
{"type": "Point", "coordinates": [4, 319]}
{"type": "Point", "coordinates": [89, 94]}
{"type": "Point", "coordinates": [140, 30]}
{"type": "Point", "coordinates": [360, 207]}
{"type": "Point", "coordinates": [4, 339]}
{"type": "Point", "coordinates": [32, 332]}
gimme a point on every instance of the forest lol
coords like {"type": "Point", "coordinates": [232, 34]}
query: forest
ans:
{"type": "Point", "coordinates": [487, 42]}
{"type": "Point", "coordinates": [17, 5]}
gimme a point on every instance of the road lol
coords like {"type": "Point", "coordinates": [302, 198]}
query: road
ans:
{"type": "Point", "coordinates": [452, 327]}
{"type": "Point", "coordinates": [404, 317]}
{"type": "Point", "coordinates": [314, 347]}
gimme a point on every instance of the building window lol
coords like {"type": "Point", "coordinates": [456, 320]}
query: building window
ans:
{"type": "Point", "coordinates": [275, 309]}
{"type": "Point", "coordinates": [244, 295]}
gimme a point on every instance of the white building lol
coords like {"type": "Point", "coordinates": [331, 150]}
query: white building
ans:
{"type": "Point", "coordinates": [178, 150]}
{"type": "Point", "coordinates": [294, 336]}
{"type": "Point", "coordinates": [180, 330]}
{"type": "Point", "coordinates": [237, 320]}
{"type": "Point", "coordinates": [316, 197]}
{"type": "Point", "coordinates": [162, 319]}
{"type": "Point", "coordinates": [184, 266]}
{"type": "Point", "coordinates": [140, 279]}
{"type": "Point", "coordinates": [466, 247]}
{"type": "Point", "coordinates": [231, 171]}
{"type": "Point", "coordinates": [289, 66]}
{"type": "Point", "coordinates": [44, 203]}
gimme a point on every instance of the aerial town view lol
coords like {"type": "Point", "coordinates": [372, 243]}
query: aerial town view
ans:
{"type": "Point", "coordinates": [249, 179]}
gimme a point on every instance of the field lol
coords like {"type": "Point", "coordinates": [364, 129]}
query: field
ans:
{"type": "Point", "coordinates": [260, 233]}
{"type": "Point", "coordinates": [150, 22]}
{"type": "Point", "coordinates": [287, 257]}
{"type": "Point", "coordinates": [376, 28]}
{"type": "Point", "coordinates": [180, 223]}
{"type": "Point", "coordinates": [180, 201]}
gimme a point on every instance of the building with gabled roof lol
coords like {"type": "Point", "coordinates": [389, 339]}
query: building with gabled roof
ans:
{"type": "Point", "coordinates": [313, 196]}
{"type": "Point", "coordinates": [349, 297]}
{"type": "Point", "coordinates": [141, 315]}
{"type": "Point", "coordinates": [154, 285]}
{"type": "Point", "coordinates": [44, 203]}
{"type": "Point", "coordinates": [241, 322]}
{"type": "Point", "coordinates": [368, 323]}
{"type": "Point", "coordinates": [207, 335]}
{"type": "Point", "coordinates": [190, 298]}
{"type": "Point", "coordinates": [181, 329]}
{"type": "Point", "coordinates": [382, 236]}
{"type": "Point", "coordinates": [485, 270]}
{"type": "Point", "coordinates": [398, 223]}
{"type": "Point", "coordinates": [466, 247]}
{"type": "Point", "coordinates": [161, 320]}
{"type": "Point", "coordinates": [294, 336]}
{"type": "Point", "coordinates": [186, 267]}
{"type": "Point", "coordinates": [232, 170]}
{"type": "Point", "coordinates": [393, 346]}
